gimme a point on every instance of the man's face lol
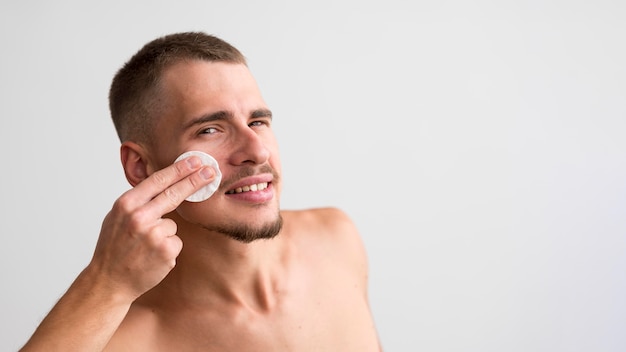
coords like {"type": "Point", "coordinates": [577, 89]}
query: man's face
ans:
{"type": "Point", "coordinates": [217, 108]}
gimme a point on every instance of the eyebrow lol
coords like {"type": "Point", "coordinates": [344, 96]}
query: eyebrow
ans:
{"type": "Point", "coordinates": [261, 113]}
{"type": "Point", "coordinates": [214, 116]}
{"type": "Point", "coordinates": [225, 115]}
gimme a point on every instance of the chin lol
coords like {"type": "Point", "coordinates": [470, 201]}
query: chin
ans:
{"type": "Point", "coordinates": [248, 233]}
{"type": "Point", "coordinates": [244, 225]}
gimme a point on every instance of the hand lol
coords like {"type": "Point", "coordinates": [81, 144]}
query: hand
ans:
{"type": "Point", "coordinates": [137, 248]}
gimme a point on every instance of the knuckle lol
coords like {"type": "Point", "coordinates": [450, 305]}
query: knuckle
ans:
{"type": "Point", "coordinates": [137, 221]}
{"type": "Point", "coordinates": [160, 179]}
{"type": "Point", "coordinates": [171, 264]}
{"type": "Point", "coordinates": [172, 196]}
{"type": "Point", "coordinates": [181, 168]}
{"type": "Point", "coordinates": [169, 254]}
{"type": "Point", "coordinates": [163, 229]}
{"type": "Point", "coordinates": [194, 181]}
{"type": "Point", "coordinates": [153, 239]}
{"type": "Point", "coordinates": [123, 203]}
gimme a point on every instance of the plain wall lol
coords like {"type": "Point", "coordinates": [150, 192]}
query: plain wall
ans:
{"type": "Point", "coordinates": [478, 145]}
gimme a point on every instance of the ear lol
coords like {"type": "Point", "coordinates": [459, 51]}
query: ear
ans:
{"type": "Point", "coordinates": [135, 163]}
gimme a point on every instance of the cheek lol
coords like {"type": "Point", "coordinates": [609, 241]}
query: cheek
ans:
{"type": "Point", "coordinates": [272, 146]}
{"type": "Point", "coordinates": [196, 214]}
{"type": "Point", "coordinates": [275, 161]}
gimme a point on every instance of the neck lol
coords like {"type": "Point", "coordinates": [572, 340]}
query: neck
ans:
{"type": "Point", "coordinates": [213, 268]}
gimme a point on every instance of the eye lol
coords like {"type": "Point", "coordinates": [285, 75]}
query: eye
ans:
{"type": "Point", "coordinates": [210, 130]}
{"type": "Point", "coordinates": [259, 123]}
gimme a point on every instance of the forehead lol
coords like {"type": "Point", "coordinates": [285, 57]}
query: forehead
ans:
{"type": "Point", "coordinates": [196, 87]}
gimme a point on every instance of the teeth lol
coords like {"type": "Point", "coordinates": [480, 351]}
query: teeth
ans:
{"type": "Point", "coordinates": [255, 187]}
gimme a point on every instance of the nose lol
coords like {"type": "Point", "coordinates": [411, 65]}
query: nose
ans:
{"type": "Point", "coordinates": [249, 148]}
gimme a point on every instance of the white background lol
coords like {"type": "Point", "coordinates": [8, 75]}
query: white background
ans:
{"type": "Point", "coordinates": [479, 146]}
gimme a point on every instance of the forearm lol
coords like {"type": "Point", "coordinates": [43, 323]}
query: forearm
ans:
{"type": "Point", "coordinates": [136, 249]}
{"type": "Point", "coordinates": [84, 319]}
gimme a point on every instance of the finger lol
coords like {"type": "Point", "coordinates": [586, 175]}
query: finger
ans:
{"type": "Point", "coordinates": [163, 236]}
{"type": "Point", "coordinates": [160, 180]}
{"type": "Point", "coordinates": [173, 196]}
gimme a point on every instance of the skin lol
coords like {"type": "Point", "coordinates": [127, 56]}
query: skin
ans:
{"type": "Point", "coordinates": [303, 290]}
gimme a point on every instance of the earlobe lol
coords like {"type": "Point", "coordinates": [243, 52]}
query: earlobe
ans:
{"type": "Point", "coordinates": [133, 157]}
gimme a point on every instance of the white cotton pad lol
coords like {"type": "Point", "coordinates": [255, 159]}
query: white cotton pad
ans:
{"type": "Point", "coordinates": [207, 191]}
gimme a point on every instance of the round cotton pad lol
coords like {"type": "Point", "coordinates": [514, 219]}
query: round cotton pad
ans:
{"type": "Point", "coordinates": [207, 191]}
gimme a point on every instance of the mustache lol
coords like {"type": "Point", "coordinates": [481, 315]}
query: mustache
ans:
{"type": "Point", "coordinates": [249, 171]}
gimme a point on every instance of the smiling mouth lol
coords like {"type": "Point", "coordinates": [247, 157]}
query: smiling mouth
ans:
{"type": "Point", "coordinates": [255, 187]}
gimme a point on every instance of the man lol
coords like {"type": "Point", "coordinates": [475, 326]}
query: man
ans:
{"type": "Point", "coordinates": [249, 277]}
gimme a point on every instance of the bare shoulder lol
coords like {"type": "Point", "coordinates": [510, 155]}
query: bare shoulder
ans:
{"type": "Point", "coordinates": [329, 233]}
{"type": "Point", "coordinates": [321, 218]}
{"type": "Point", "coordinates": [322, 224]}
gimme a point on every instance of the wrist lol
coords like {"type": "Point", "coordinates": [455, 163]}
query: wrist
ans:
{"type": "Point", "coordinates": [98, 285]}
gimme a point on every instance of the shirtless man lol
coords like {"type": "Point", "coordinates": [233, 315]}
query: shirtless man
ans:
{"type": "Point", "coordinates": [249, 277]}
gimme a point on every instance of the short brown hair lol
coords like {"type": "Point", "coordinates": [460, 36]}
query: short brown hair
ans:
{"type": "Point", "coordinates": [133, 97]}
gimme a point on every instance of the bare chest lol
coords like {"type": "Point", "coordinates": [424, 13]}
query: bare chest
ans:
{"type": "Point", "coordinates": [322, 326]}
{"type": "Point", "coordinates": [321, 321]}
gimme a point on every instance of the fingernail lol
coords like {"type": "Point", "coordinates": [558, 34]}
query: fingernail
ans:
{"type": "Point", "coordinates": [206, 173]}
{"type": "Point", "coordinates": [194, 162]}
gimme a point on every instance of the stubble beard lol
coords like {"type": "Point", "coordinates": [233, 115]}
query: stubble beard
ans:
{"type": "Point", "coordinates": [246, 233]}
